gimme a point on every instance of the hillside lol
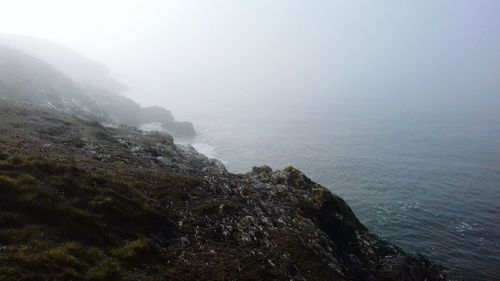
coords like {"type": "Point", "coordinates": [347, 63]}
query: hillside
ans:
{"type": "Point", "coordinates": [79, 201]}
{"type": "Point", "coordinates": [73, 64]}
{"type": "Point", "coordinates": [25, 78]}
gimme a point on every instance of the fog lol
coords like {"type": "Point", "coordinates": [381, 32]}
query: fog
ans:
{"type": "Point", "coordinates": [211, 55]}
{"type": "Point", "coordinates": [394, 105]}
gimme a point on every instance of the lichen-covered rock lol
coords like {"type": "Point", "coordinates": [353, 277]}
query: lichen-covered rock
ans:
{"type": "Point", "coordinates": [79, 201]}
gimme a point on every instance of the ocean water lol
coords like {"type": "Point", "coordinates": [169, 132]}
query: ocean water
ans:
{"type": "Point", "coordinates": [426, 180]}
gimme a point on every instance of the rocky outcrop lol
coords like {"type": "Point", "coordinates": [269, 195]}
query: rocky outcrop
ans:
{"type": "Point", "coordinates": [123, 110]}
{"type": "Point", "coordinates": [79, 201]}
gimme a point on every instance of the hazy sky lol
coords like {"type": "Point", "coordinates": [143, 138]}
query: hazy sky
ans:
{"type": "Point", "coordinates": [172, 52]}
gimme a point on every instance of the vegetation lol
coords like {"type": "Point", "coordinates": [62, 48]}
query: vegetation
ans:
{"type": "Point", "coordinates": [82, 226]}
{"type": "Point", "coordinates": [79, 201]}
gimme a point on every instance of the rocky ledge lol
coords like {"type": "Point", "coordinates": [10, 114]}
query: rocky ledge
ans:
{"type": "Point", "coordinates": [79, 201]}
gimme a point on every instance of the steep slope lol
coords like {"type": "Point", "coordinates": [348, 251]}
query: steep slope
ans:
{"type": "Point", "coordinates": [73, 64]}
{"type": "Point", "coordinates": [79, 201]}
{"type": "Point", "coordinates": [25, 78]}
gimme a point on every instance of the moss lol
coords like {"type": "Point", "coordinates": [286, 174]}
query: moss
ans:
{"type": "Point", "coordinates": [8, 182]}
{"type": "Point", "coordinates": [35, 199]}
{"type": "Point", "coordinates": [320, 193]}
{"type": "Point", "coordinates": [60, 256]}
{"type": "Point", "coordinates": [136, 252]}
{"type": "Point", "coordinates": [65, 261]}
{"type": "Point", "coordinates": [45, 167]}
{"type": "Point", "coordinates": [25, 179]}
{"type": "Point", "coordinates": [69, 255]}
{"type": "Point", "coordinates": [5, 165]}
{"type": "Point", "coordinates": [80, 225]}
{"type": "Point", "coordinates": [294, 177]}
{"type": "Point", "coordinates": [26, 233]}
{"type": "Point", "coordinates": [106, 270]}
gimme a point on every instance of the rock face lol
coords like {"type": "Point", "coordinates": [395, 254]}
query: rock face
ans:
{"type": "Point", "coordinates": [79, 201]}
{"type": "Point", "coordinates": [73, 84]}
{"type": "Point", "coordinates": [123, 110]}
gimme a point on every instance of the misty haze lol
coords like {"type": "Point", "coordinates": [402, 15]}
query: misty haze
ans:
{"type": "Point", "coordinates": [250, 140]}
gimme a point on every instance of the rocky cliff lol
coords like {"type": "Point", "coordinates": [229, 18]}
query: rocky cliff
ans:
{"type": "Point", "coordinates": [79, 201]}
{"type": "Point", "coordinates": [50, 75]}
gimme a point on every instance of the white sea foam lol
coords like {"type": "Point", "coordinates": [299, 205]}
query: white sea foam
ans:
{"type": "Point", "coordinates": [205, 149]}
{"type": "Point", "coordinates": [463, 226]}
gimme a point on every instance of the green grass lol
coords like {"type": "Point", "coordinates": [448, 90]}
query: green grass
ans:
{"type": "Point", "coordinates": [7, 182]}
{"type": "Point", "coordinates": [136, 252]}
{"type": "Point", "coordinates": [59, 222]}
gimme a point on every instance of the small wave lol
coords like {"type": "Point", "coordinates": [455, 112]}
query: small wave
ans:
{"type": "Point", "coordinates": [463, 226]}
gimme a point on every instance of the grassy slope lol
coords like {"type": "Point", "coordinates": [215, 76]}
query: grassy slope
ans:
{"type": "Point", "coordinates": [66, 216]}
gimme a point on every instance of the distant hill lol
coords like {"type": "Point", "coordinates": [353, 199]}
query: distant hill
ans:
{"type": "Point", "coordinates": [27, 79]}
{"type": "Point", "coordinates": [71, 83]}
{"type": "Point", "coordinates": [73, 64]}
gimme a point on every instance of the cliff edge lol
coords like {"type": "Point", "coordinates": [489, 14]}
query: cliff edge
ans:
{"type": "Point", "coordinates": [79, 201]}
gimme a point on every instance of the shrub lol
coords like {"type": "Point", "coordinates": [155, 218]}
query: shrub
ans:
{"type": "Point", "coordinates": [61, 256]}
{"type": "Point", "coordinates": [24, 234]}
{"type": "Point", "coordinates": [25, 179]}
{"type": "Point", "coordinates": [106, 270]}
{"type": "Point", "coordinates": [135, 253]}
{"type": "Point", "coordinates": [6, 181]}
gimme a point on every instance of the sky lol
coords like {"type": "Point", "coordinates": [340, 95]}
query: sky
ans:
{"type": "Point", "coordinates": [175, 53]}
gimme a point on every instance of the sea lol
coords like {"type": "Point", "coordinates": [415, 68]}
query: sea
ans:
{"type": "Point", "coordinates": [424, 176]}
